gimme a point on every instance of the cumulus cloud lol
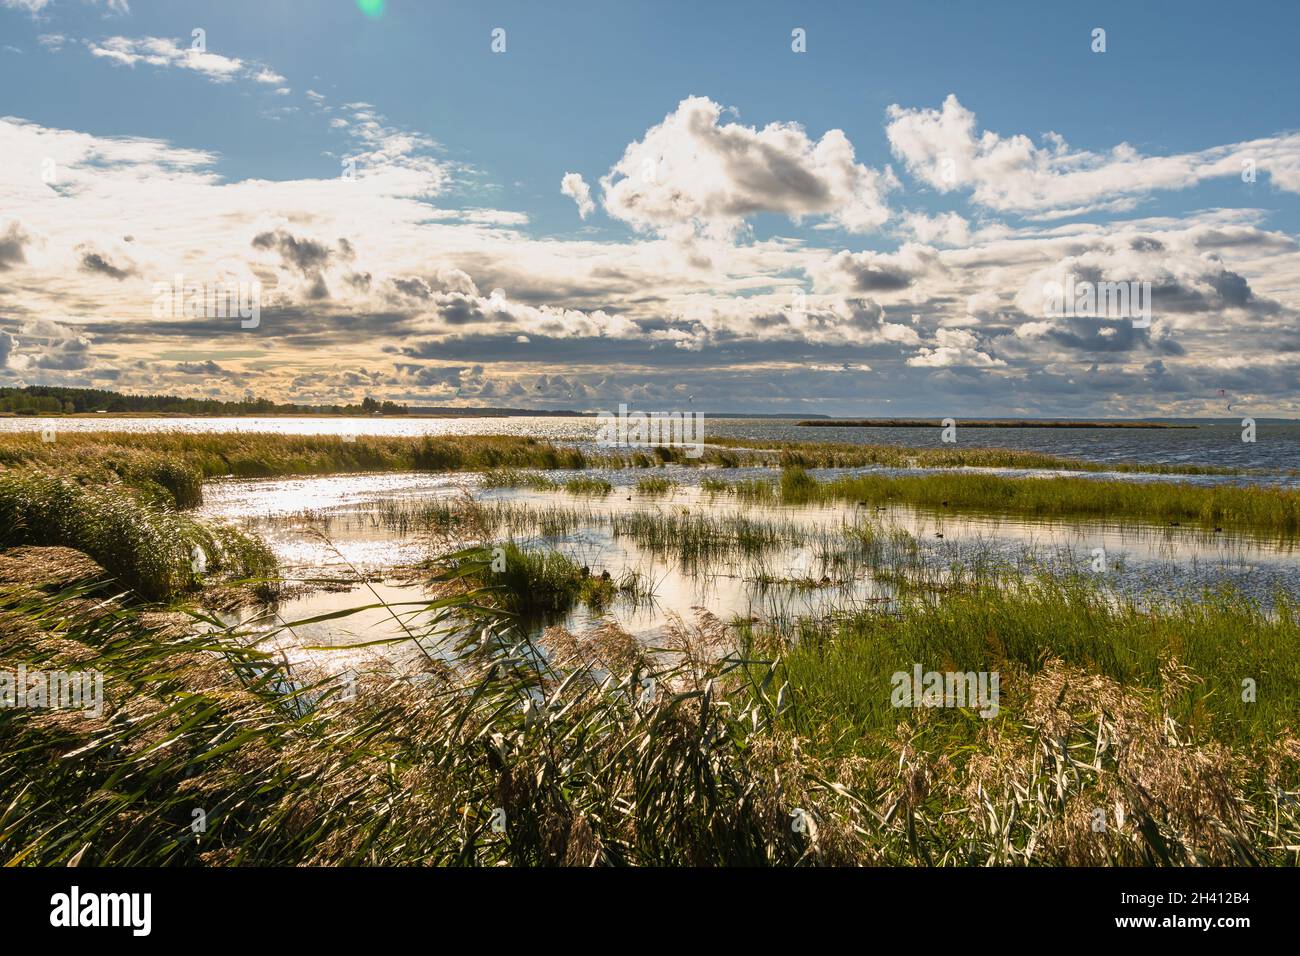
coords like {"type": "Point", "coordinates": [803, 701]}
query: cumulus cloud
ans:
{"type": "Point", "coordinates": [878, 271]}
{"type": "Point", "coordinates": [308, 258]}
{"type": "Point", "coordinates": [49, 345]}
{"type": "Point", "coordinates": [945, 229]}
{"type": "Point", "coordinates": [369, 286]}
{"type": "Point", "coordinates": [944, 149]}
{"type": "Point", "coordinates": [11, 246]}
{"type": "Point", "coordinates": [576, 188]}
{"type": "Point", "coordinates": [954, 347]}
{"type": "Point", "coordinates": [694, 172]}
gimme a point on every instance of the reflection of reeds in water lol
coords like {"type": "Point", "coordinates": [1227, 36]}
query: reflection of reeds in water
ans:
{"type": "Point", "coordinates": [696, 540]}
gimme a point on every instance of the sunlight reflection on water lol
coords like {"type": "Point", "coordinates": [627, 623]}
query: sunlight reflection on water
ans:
{"type": "Point", "coordinates": [298, 516]}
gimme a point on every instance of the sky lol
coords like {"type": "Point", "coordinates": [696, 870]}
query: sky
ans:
{"type": "Point", "coordinates": [830, 208]}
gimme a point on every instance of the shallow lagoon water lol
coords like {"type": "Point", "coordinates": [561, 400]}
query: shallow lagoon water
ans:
{"type": "Point", "coordinates": [332, 527]}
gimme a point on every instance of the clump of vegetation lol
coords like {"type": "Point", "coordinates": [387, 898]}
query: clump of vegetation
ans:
{"type": "Point", "coordinates": [147, 546]}
{"type": "Point", "coordinates": [586, 485]}
{"type": "Point", "coordinates": [654, 486]}
{"type": "Point", "coordinates": [1255, 507]}
{"type": "Point", "coordinates": [512, 478]}
{"type": "Point", "coordinates": [535, 582]}
{"type": "Point", "coordinates": [814, 454]}
{"type": "Point", "coordinates": [797, 486]}
{"type": "Point", "coordinates": [162, 456]}
{"type": "Point", "coordinates": [696, 540]}
{"type": "Point", "coordinates": [593, 750]}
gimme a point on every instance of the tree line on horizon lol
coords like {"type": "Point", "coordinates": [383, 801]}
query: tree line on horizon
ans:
{"type": "Point", "coordinates": [53, 399]}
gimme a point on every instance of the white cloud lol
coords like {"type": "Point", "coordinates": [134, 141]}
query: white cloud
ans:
{"type": "Point", "coordinates": [368, 285]}
{"type": "Point", "coordinates": [945, 229]}
{"type": "Point", "coordinates": [954, 347]}
{"type": "Point", "coordinates": [576, 188]}
{"type": "Point", "coordinates": [168, 53]}
{"type": "Point", "coordinates": [692, 173]}
{"type": "Point", "coordinates": [943, 149]}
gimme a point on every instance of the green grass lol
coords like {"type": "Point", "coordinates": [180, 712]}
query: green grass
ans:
{"type": "Point", "coordinates": [811, 454]}
{"type": "Point", "coordinates": [581, 767]}
{"type": "Point", "coordinates": [146, 546]}
{"type": "Point", "coordinates": [696, 540]}
{"type": "Point", "coordinates": [1243, 507]}
{"type": "Point", "coordinates": [260, 455]}
{"type": "Point", "coordinates": [586, 485]}
{"type": "Point", "coordinates": [654, 486]}
{"type": "Point", "coordinates": [534, 582]}
{"type": "Point", "coordinates": [1015, 625]}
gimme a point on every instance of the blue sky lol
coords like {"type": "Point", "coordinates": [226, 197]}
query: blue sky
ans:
{"type": "Point", "coordinates": [464, 273]}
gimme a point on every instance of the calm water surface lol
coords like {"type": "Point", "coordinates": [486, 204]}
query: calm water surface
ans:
{"type": "Point", "coordinates": [328, 528]}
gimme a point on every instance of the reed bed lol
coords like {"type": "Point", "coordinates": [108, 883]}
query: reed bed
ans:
{"type": "Point", "coordinates": [654, 486]}
{"type": "Point", "coordinates": [815, 454]}
{"type": "Point", "coordinates": [588, 485]}
{"type": "Point", "coordinates": [264, 455]}
{"type": "Point", "coordinates": [590, 749]}
{"type": "Point", "coordinates": [697, 540]}
{"type": "Point", "coordinates": [536, 582]}
{"type": "Point", "coordinates": [1243, 507]}
{"type": "Point", "coordinates": [147, 546]}
{"type": "Point", "coordinates": [1018, 621]}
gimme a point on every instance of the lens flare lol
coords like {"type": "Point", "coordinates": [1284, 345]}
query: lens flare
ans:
{"type": "Point", "coordinates": [371, 8]}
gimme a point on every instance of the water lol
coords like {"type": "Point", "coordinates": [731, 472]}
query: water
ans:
{"type": "Point", "coordinates": [1277, 445]}
{"type": "Point", "coordinates": [341, 538]}
{"type": "Point", "coordinates": [331, 527]}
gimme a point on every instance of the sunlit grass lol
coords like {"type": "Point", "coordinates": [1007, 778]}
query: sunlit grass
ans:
{"type": "Point", "coordinates": [147, 546]}
{"type": "Point", "coordinates": [1253, 507]}
{"type": "Point", "coordinates": [591, 749]}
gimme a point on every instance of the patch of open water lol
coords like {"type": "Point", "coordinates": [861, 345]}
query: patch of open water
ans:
{"type": "Point", "coordinates": [343, 526]}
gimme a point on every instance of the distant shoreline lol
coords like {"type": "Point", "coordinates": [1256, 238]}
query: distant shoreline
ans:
{"type": "Point", "coordinates": [976, 423]}
{"type": "Point", "coordinates": [495, 413]}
